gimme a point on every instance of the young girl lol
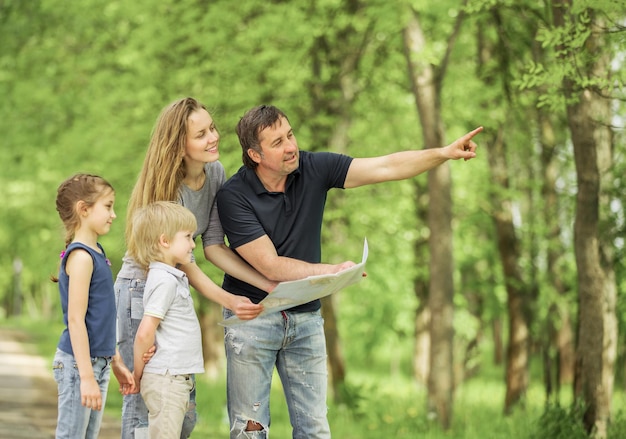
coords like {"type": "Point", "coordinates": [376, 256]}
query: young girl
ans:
{"type": "Point", "coordinates": [181, 165]}
{"type": "Point", "coordinates": [86, 351]}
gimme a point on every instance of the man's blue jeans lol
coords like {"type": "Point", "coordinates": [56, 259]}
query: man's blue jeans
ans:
{"type": "Point", "coordinates": [129, 299]}
{"type": "Point", "coordinates": [293, 342]}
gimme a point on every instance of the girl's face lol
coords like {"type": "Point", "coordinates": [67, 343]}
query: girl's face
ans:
{"type": "Point", "coordinates": [100, 216]}
{"type": "Point", "coordinates": [202, 138]}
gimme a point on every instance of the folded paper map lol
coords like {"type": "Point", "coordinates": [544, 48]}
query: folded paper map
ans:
{"type": "Point", "coordinates": [297, 292]}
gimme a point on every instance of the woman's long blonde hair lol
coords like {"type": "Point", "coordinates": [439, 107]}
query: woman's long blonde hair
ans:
{"type": "Point", "coordinates": [163, 168]}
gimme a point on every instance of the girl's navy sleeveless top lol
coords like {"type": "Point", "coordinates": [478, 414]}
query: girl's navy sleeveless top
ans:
{"type": "Point", "coordinates": [100, 315]}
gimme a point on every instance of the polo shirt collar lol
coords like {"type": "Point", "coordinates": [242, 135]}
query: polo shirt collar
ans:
{"type": "Point", "coordinates": [172, 270]}
{"type": "Point", "coordinates": [258, 186]}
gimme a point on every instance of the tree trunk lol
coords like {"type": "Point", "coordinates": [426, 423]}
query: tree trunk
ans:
{"type": "Point", "coordinates": [421, 353]}
{"type": "Point", "coordinates": [336, 362]}
{"type": "Point", "coordinates": [508, 247]}
{"type": "Point", "coordinates": [597, 333]}
{"type": "Point", "coordinates": [498, 343]}
{"type": "Point", "coordinates": [517, 350]}
{"type": "Point", "coordinates": [426, 84]}
{"type": "Point", "coordinates": [560, 343]}
{"type": "Point", "coordinates": [16, 304]}
{"type": "Point", "coordinates": [340, 61]}
{"type": "Point", "coordinates": [518, 297]}
{"type": "Point", "coordinates": [600, 109]}
{"type": "Point", "coordinates": [209, 315]}
{"type": "Point", "coordinates": [441, 290]}
{"type": "Point", "coordinates": [589, 355]}
{"type": "Point", "coordinates": [589, 121]}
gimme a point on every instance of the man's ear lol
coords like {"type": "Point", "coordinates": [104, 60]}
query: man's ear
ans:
{"type": "Point", "coordinates": [164, 241]}
{"type": "Point", "coordinates": [254, 155]}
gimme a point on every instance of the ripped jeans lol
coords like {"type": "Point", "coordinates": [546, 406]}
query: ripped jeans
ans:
{"type": "Point", "coordinates": [293, 342]}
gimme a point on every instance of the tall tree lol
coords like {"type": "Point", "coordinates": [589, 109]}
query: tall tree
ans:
{"type": "Point", "coordinates": [335, 83]}
{"type": "Point", "coordinates": [494, 60]}
{"type": "Point", "coordinates": [335, 55]}
{"type": "Point", "coordinates": [559, 346]}
{"type": "Point", "coordinates": [427, 80]}
{"type": "Point", "coordinates": [421, 346]}
{"type": "Point", "coordinates": [587, 86]}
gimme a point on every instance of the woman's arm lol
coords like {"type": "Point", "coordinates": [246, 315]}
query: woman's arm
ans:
{"type": "Point", "coordinates": [240, 305]}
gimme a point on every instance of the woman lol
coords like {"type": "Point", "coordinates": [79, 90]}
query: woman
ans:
{"type": "Point", "coordinates": [181, 165]}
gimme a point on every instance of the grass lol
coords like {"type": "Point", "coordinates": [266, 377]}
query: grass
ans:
{"type": "Point", "coordinates": [381, 405]}
{"type": "Point", "coordinates": [390, 408]}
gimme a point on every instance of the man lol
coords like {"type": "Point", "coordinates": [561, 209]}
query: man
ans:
{"type": "Point", "coordinates": [271, 211]}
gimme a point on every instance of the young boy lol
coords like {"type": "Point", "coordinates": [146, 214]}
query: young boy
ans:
{"type": "Point", "coordinates": [162, 238]}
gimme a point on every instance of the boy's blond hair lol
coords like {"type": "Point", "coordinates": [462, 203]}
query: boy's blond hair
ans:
{"type": "Point", "coordinates": [150, 222]}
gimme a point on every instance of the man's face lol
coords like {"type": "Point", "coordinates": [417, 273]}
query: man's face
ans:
{"type": "Point", "coordinates": [279, 148]}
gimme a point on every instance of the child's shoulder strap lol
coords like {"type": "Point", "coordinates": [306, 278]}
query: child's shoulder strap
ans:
{"type": "Point", "coordinates": [76, 245]}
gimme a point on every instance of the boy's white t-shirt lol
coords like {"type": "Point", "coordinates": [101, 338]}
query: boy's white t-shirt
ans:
{"type": "Point", "coordinates": [178, 336]}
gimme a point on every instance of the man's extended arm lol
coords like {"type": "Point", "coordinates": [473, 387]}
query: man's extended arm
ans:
{"type": "Point", "coordinates": [408, 164]}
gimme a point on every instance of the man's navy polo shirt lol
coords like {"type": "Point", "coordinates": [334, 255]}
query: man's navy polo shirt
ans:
{"type": "Point", "coordinates": [292, 220]}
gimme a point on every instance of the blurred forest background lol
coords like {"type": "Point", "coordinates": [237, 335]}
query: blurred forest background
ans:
{"type": "Point", "coordinates": [507, 268]}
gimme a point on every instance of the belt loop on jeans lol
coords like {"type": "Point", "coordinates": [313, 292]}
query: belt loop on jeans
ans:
{"type": "Point", "coordinates": [284, 315]}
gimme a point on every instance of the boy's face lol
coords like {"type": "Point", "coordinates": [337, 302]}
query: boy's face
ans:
{"type": "Point", "coordinates": [181, 247]}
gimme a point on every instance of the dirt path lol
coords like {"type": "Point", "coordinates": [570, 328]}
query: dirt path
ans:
{"type": "Point", "coordinates": [28, 405]}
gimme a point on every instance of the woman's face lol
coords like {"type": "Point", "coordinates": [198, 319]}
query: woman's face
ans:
{"type": "Point", "coordinates": [202, 138]}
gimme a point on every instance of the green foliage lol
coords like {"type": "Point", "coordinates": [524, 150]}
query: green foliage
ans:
{"type": "Point", "coordinates": [560, 423]}
{"type": "Point", "coordinates": [83, 82]}
{"type": "Point", "coordinates": [567, 43]}
{"type": "Point", "coordinates": [617, 426]}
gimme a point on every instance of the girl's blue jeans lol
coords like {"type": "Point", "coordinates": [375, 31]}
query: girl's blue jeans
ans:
{"type": "Point", "coordinates": [74, 420]}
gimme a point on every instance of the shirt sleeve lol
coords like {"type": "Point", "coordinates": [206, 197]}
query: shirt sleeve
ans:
{"type": "Point", "coordinates": [158, 296]}
{"type": "Point", "coordinates": [238, 218]}
{"type": "Point", "coordinates": [214, 234]}
{"type": "Point", "coordinates": [332, 168]}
